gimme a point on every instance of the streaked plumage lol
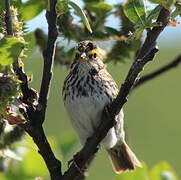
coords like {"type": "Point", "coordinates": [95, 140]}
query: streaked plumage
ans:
{"type": "Point", "coordinates": [87, 90]}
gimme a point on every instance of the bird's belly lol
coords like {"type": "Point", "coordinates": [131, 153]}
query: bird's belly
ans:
{"type": "Point", "coordinates": [85, 113]}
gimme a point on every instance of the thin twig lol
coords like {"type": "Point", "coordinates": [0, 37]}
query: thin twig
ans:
{"type": "Point", "coordinates": [158, 72]}
{"type": "Point", "coordinates": [145, 55]}
{"type": "Point", "coordinates": [18, 70]}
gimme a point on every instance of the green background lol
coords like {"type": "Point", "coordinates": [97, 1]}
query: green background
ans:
{"type": "Point", "coordinates": [152, 114]}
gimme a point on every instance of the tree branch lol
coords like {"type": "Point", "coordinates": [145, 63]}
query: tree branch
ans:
{"type": "Point", "coordinates": [8, 19]}
{"type": "Point", "coordinates": [35, 115]}
{"type": "Point", "coordinates": [18, 70]}
{"type": "Point", "coordinates": [153, 34]}
{"type": "Point", "coordinates": [158, 72]}
{"type": "Point", "coordinates": [145, 55]}
{"type": "Point", "coordinates": [39, 138]}
{"type": "Point", "coordinates": [48, 55]}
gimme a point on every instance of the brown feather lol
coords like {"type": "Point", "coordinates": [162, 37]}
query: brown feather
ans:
{"type": "Point", "coordinates": [122, 158]}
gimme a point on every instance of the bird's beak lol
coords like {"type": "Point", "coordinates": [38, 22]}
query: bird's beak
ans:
{"type": "Point", "coordinates": [83, 57]}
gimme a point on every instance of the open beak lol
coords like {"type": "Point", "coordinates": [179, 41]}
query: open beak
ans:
{"type": "Point", "coordinates": [83, 57]}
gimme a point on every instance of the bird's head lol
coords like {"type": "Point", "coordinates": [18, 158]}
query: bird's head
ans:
{"type": "Point", "coordinates": [88, 55]}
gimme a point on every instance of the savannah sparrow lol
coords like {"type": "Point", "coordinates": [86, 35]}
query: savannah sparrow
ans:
{"type": "Point", "coordinates": [87, 89]}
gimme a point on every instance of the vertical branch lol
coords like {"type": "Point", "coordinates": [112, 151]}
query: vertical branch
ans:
{"type": "Point", "coordinates": [48, 56]}
{"type": "Point", "coordinates": [34, 126]}
{"type": "Point", "coordinates": [35, 116]}
{"type": "Point", "coordinates": [39, 138]}
{"type": "Point", "coordinates": [8, 19]}
{"type": "Point", "coordinates": [18, 70]}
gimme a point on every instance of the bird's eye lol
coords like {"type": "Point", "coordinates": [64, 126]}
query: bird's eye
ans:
{"type": "Point", "coordinates": [90, 45]}
{"type": "Point", "coordinates": [95, 55]}
{"type": "Point", "coordinates": [93, 72]}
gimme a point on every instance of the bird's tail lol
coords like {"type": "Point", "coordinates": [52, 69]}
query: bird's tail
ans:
{"type": "Point", "coordinates": [122, 158]}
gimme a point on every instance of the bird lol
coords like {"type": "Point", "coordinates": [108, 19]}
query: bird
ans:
{"type": "Point", "coordinates": [87, 89]}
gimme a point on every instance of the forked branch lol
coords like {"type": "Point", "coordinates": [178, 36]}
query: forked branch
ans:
{"type": "Point", "coordinates": [35, 115]}
{"type": "Point", "coordinates": [145, 55]}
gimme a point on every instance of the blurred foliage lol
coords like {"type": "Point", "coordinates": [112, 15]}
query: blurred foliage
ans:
{"type": "Point", "coordinates": [23, 170]}
{"type": "Point", "coordinates": [133, 17]}
{"type": "Point", "coordinates": [161, 171]}
{"type": "Point", "coordinates": [9, 88]}
{"type": "Point", "coordinates": [75, 24]}
{"type": "Point", "coordinates": [67, 144]}
{"type": "Point", "coordinates": [10, 50]}
{"type": "Point", "coordinates": [97, 13]}
{"type": "Point", "coordinates": [8, 136]}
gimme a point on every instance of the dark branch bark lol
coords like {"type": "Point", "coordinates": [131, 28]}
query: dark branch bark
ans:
{"type": "Point", "coordinates": [8, 19]}
{"type": "Point", "coordinates": [48, 55]}
{"type": "Point", "coordinates": [39, 138]}
{"type": "Point", "coordinates": [153, 34]}
{"type": "Point", "coordinates": [158, 72]}
{"type": "Point", "coordinates": [35, 115]}
{"type": "Point", "coordinates": [145, 55]}
{"type": "Point", "coordinates": [18, 70]}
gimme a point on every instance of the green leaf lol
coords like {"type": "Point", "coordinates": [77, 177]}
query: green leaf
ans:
{"type": "Point", "coordinates": [153, 14]}
{"type": "Point", "coordinates": [135, 11]}
{"type": "Point", "coordinates": [32, 8]}
{"type": "Point", "coordinates": [177, 10]}
{"type": "Point", "coordinates": [138, 174]}
{"type": "Point", "coordinates": [62, 7]}
{"type": "Point", "coordinates": [2, 176]}
{"type": "Point", "coordinates": [10, 49]}
{"type": "Point", "coordinates": [16, 3]}
{"type": "Point", "coordinates": [137, 34]}
{"type": "Point", "coordinates": [163, 171]}
{"type": "Point", "coordinates": [112, 31]}
{"type": "Point", "coordinates": [165, 3]}
{"type": "Point", "coordinates": [31, 42]}
{"type": "Point", "coordinates": [31, 156]}
{"type": "Point", "coordinates": [170, 3]}
{"type": "Point", "coordinates": [81, 14]}
{"type": "Point", "coordinates": [162, 2]}
{"type": "Point", "coordinates": [99, 7]}
{"type": "Point", "coordinates": [87, 1]}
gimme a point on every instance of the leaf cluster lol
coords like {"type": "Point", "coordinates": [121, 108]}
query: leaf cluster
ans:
{"type": "Point", "coordinates": [11, 51]}
{"type": "Point", "coordinates": [89, 21]}
{"type": "Point", "coordinates": [77, 23]}
{"type": "Point", "coordinates": [65, 146]}
{"type": "Point", "coordinates": [97, 13]}
{"type": "Point", "coordinates": [161, 171]}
